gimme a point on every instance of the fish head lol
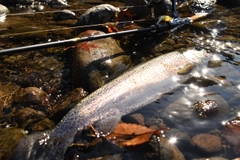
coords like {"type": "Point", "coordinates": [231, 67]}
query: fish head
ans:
{"type": "Point", "coordinates": [196, 55]}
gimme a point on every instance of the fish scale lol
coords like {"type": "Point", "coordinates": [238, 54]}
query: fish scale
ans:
{"type": "Point", "coordinates": [132, 90]}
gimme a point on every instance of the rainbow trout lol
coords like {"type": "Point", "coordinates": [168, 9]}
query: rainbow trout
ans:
{"type": "Point", "coordinates": [132, 90]}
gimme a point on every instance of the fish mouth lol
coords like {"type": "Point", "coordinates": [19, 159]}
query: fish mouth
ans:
{"type": "Point", "coordinates": [196, 54]}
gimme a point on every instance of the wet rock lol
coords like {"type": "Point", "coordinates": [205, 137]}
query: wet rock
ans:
{"type": "Point", "coordinates": [168, 151]}
{"type": "Point", "coordinates": [183, 141]}
{"type": "Point", "coordinates": [202, 6]}
{"type": "Point", "coordinates": [31, 96]}
{"type": "Point", "coordinates": [66, 103]}
{"type": "Point", "coordinates": [26, 117]}
{"type": "Point", "coordinates": [135, 118]}
{"type": "Point", "coordinates": [208, 143]}
{"type": "Point", "coordinates": [160, 8]}
{"type": "Point", "coordinates": [97, 62]}
{"type": "Point", "coordinates": [58, 3]}
{"type": "Point", "coordinates": [231, 133]}
{"type": "Point", "coordinates": [64, 15]}
{"type": "Point", "coordinates": [3, 9]}
{"type": "Point", "coordinates": [98, 14]}
{"type": "Point", "coordinates": [37, 7]}
{"type": "Point", "coordinates": [9, 138]}
{"type": "Point", "coordinates": [205, 108]}
{"type": "Point", "coordinates": [154, 123]}
{"type": "Point", "coordinates": [43, 125]}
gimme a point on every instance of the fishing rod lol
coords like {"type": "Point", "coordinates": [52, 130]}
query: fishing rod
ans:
{"type": "Point", "coordinates": [76, 27]}
{"type": "Point", "coordinates": [158, 27]}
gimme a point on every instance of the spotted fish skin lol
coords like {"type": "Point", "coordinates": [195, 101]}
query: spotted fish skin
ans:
{"type": "Point", "coordinates": [132, 90]}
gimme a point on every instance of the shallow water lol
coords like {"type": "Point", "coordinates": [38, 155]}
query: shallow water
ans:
{"type": "Point", "coordinates": [219, 33]}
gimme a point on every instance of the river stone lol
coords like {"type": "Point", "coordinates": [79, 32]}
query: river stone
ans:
{"type": "Point", "coordinates": [64, 105]}
{"type": "Point", "coordinates": [136, 118]}
{"type": "Point", "coordinates": [64, 15]}
{"type": "Point", "coordinates": [184, 141]}
{"type": "Point", "coordinates": [97, 62]}
{"type": "Point", "coordinates": [31, 96]}
{"type": "Point", "coordinates": [43, 125]}
{"type": "Point", "coordinates": [231, 133]}
{"type": "Point", "coordinates": [98, 14]}
{"type": "Point", "coordinates": [3, 9]}
{"type": "Point", "coordinates": [58, 3]}
{"type": "Point", "coordinates": [168, 151]}
{"type": "Point", "coordinates": [179, 114]}
{"type": "Point", "coordinates": [9, 138]}
{"type": "Point", "coordinates": [26, 117]}
{"type": "Point", "coordinates": [161, 8]}
{"type": "Point", "coordinates": [208, 142]}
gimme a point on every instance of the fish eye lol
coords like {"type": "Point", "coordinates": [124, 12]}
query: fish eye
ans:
{"type": "Point", "coordinates": [198, 48]}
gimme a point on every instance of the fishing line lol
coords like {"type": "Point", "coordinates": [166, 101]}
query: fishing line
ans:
{"type": "Point", "coordinates": [77, 27]}
{"type": "Point", "coordinates": [57, 11]}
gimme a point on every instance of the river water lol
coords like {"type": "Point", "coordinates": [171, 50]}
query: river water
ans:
{"type": "Point", "coordinates": [49, 70]}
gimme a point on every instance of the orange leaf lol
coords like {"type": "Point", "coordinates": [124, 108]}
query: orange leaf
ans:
{"type": "Point", "coordinates": [131, 129]}
{"type": "Point", "coordinates": [112, 29]}
{"type": "Point", "coordinates": [136, 133]}
{"type": "Point", "coordinates": [140, 139]}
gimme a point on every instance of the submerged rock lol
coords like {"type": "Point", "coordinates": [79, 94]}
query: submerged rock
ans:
{"type": "Point", "coordinates": [141, 11]}
{"type": "Point", "coordinates": [208, 143]}
{"type": "Point", "coordinates": [26, 117]}
{"type": "Point", "coordinates": [9, 138]}
{"type": "Point", "coordinates": [168, 151]}
{"type": "Point", "coordinates": [64, 105]}
{"type": "Point", "coordinates": [43, 125]}
{"type": "Point", "coordinates": [205, 108]}
{"type": "Point", "coordinates": [180, 113]}
{"type": "Point", "coordinates": [98, 14]}
{"type": "Point", "coordinates": [231, 133]}
{"type": "Point", "coordinates": [97, 62]}
{"type": "Point", "coordinates": [31, 96]}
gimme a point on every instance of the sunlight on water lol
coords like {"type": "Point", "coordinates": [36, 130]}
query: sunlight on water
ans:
{"type": "Point", "coordinates": [175, 78]}
{"type": "Point", "coordinates": [172, 140]}
{"type": "Point", "coordinates": [215, 58]}
{"type": "Point", "coordinates": [196, 74]}
{"type": "Point", "coordinates": [44, 140]}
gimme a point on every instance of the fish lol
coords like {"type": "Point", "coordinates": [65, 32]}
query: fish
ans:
{"type": "Point", "coordinates": [130, 91]}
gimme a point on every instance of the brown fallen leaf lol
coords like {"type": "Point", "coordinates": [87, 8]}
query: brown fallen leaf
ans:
{"type": "Point", "coordinates": [139, 139]}
{"type": "Point", "coordinates": [133, 134]}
